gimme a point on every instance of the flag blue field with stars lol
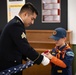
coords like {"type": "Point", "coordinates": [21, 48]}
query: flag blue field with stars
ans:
{"type": "Point", "coordinates": [17, 68]}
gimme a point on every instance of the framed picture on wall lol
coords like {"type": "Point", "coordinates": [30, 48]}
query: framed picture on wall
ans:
{"type": "Point", "coordinates": [13, 7]}
{"type": "Point", "coordinates": [51, 11]}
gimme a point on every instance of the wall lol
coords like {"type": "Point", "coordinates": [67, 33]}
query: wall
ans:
{"type": "Point", "coordinates": [74, 62]}
{"type": "Point", "coordinates": [72, 18]}
{"type": "Point", "coordinates": [3, 13]}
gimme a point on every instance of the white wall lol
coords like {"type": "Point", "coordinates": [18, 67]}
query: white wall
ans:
{"type": "Point", "coordinates": [72, 19]}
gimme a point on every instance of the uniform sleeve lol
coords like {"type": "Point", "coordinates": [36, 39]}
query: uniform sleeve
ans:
{"type": "Point", "coordinates": [68, 57]}
{"type": "Point", "coordinates": [58, 62]}
{"type": "Point", "coordinates": [19, 38]}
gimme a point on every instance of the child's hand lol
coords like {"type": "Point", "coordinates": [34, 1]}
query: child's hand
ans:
{"type": "Point", "coordinates": [48, 55]}
{"type": "Point", "coordinates": [44, 53]}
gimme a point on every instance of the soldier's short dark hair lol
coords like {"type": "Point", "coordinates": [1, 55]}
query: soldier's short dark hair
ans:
{"type": "Point", "coordinates": [29, 7]}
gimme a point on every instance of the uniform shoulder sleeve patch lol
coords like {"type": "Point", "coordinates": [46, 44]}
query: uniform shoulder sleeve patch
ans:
{"type": "Point", "coordinates": [23, 35]}
{"type": "Point", "coordinates": [70, 53]}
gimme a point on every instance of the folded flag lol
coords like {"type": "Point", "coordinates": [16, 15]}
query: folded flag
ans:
{"type": "Point", "coordinates": [17, 68]}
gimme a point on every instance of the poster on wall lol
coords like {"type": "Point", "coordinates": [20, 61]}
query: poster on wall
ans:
{"type": "Point", "coordinates": [13, 7]}
{"type": "Point", "coordinates": [51, 11]}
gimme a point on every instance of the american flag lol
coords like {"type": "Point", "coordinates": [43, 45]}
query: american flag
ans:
{"type": "Point", "coordinates": [17, 68]}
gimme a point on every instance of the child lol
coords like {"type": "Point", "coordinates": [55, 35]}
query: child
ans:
{"type": "Point", "coordinates": [61, 56]}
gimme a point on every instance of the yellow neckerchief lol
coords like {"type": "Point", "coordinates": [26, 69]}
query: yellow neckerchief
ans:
{"type": "Point", "coordinates": [62, 52]}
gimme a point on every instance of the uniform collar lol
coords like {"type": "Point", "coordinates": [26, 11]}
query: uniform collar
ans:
{"type": "Point", "coordinates": [19, 18]}
{"type": "Point", "coordinates": [61, 48]}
